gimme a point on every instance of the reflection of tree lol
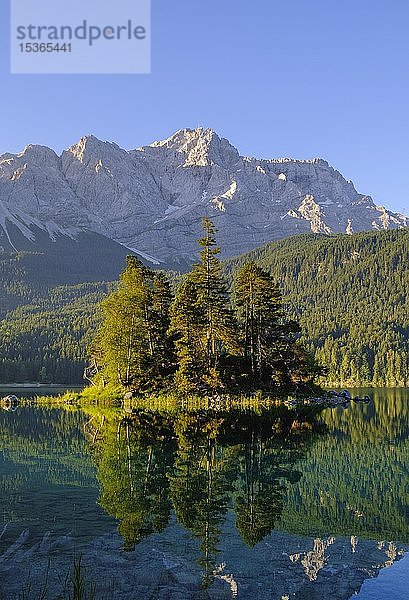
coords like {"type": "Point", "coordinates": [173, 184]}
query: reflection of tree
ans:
{"type": "Point", "coordinates": [200, 485]}
{"type": "Point", "coordinates": [265, 468]}
{"type": "Point", "coordinates": [133, 461]}
{"type": "Point", "coordinates": [199, 463]}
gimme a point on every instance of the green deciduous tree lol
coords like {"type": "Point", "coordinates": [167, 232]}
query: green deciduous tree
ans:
{"type": "Point", "coordinates": [132, 347]}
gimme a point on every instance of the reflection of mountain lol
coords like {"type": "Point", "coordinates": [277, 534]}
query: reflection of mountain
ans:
{"type": "Point", "coordinates": [163, 567]}
{"type": "Point", "coordinates": [272, 472]}
{"type": "Point", "coordinates": [228, 477]}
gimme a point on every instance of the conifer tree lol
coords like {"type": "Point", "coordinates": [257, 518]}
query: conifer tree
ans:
{"type": "Point", "coordinates": [202, 318]}
{"type": "Point", "coordinates": [259, 301]}
{"type": "Point", "coordinates": [187, 323]}
{"type": "Point", "coordinates": [163, 343]}
{"type": "Point", "coordinates": [271, 354]}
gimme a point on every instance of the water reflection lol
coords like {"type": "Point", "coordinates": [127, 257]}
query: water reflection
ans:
{"type": "Point", "coordinates": [341, 472]}
{"type": "Point", "coordinates": [47, 476]}
{"type": "Point", "coordinates": [355, 479]}
{"type": "Point", "coordinates": [200, 464]}
{"type": "Point", "coordinates": [255, 504]}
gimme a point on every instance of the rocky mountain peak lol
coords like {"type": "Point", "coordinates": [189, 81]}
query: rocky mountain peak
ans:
{"type": "Point", "coordinates": [201, 147]}
{"type": "Point", "coordinates": [89, 146]}
{"type": "Point", "coordinates": [33, 154]}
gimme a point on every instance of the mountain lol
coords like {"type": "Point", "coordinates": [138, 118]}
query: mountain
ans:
{"type": "Point", "coordinates": [151, 199]}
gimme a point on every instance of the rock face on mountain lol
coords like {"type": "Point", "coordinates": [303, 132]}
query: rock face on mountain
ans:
{"type": "Point", "coordinates": [151, 199]}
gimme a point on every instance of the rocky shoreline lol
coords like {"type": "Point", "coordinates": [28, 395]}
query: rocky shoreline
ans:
{"type": "Point", "coordinates": [331, 399]}
{"type": "Point", "coordinates": [164, 566]}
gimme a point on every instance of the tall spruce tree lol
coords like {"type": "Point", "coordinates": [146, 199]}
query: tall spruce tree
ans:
{"type": "Point", "coordinates": [187, 323]}
{"type": "Point", "coordinates": [203, 320]}
{"type": "Point", "coordinates": [259, 302]}
{"type": "Point", "coordinates": [163, 343]}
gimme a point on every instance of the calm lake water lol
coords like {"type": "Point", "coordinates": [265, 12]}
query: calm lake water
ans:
{"type": "Point", "coordinates": [180, 504]}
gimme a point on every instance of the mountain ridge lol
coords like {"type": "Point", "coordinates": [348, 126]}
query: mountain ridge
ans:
{"type": "Point", "coordinates": [151, 199]}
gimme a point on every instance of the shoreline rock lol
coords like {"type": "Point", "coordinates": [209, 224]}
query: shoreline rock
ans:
{"type": "Point", "coordinates": [331, 399]}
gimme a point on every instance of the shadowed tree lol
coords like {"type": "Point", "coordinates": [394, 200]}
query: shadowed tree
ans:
{"type": "Point", "coordinates": [271, 353]}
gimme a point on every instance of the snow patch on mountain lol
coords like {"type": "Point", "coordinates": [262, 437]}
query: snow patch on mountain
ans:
{"type": "Point", "coordinates": [148, 257]}
{"type": "Point", "coordinates": [26, 225]}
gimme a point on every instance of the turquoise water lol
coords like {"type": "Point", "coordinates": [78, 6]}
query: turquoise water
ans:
{"type": "Point", "coordinates": [191, 504]}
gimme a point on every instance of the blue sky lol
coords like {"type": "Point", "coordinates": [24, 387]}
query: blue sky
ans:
{"type": "Point", "coordinates": [292, 78]}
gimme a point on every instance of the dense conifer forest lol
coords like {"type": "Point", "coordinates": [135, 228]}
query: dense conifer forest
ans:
{"type": "Point", "coordinates": [350, 296]}
{"type": "Point", "coordinates": [348, 293]}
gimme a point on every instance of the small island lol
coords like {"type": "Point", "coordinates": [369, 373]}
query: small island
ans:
{"type": "Point", "coordinates": [203, 339]}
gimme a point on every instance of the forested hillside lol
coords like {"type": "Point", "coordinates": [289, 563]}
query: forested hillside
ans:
{"type": "Point", "coordinates": [28, 275]}
{"type": "Point", "coordinates": [47, 340]}
{"type": "Point", "coordinates": [349, 294]}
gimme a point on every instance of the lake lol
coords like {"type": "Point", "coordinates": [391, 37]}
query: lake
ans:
{"type": "Point", "coordinates": [183, 503]}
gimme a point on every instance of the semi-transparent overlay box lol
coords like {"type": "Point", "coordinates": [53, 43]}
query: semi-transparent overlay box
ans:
{"type": "Point", "coordinates": [80, 36]}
